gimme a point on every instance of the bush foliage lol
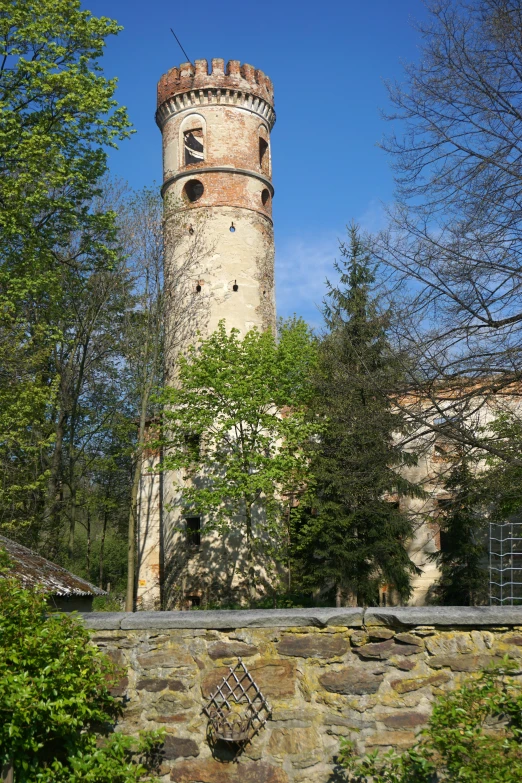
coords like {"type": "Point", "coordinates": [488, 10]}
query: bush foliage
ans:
{"type": "Point", "coordinates": [474, 736]}
{"type": "Point", "coordinates": [57, 714]}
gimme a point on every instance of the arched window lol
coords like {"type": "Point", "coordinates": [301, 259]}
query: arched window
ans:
{"type": "Point", "coordinates": [193, 146]}
{"type": "Point", "coordinates": [264, 150]}
{"type": "Point", "coordinates": [192, 141]}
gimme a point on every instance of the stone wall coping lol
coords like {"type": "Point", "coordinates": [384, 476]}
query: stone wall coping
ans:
{"type": "Point", "coordinates": [354, 617]}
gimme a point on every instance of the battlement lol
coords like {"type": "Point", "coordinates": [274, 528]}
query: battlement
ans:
{"type": "Point", "coordinates": [187, 77]}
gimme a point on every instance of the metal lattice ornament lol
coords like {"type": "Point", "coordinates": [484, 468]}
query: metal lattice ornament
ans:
{"type": "Point", "coordinates": [237, 709]}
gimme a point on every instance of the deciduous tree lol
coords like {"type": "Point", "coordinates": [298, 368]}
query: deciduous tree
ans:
{"type": "Point", "coordinates": [235, 427]}
{"type": "Point", "coordinates": [454, 243]}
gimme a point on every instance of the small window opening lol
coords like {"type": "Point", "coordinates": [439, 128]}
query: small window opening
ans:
{"type": "Point", "coordinates": [193, 526]}
{"type": "Point", "coordinates": [235, 287]}
{"type": "Point", "coordinates": [192, 444]}
{"type": "Point", "coordinates": [232, 228]}
{"type": "Point", "coordinates": [193, 144]}
{"type": "Point", "coordinates": [193, 190]}
{"type": "Point", "coordinates": [198, 288]}
{"type": "Point", "coordinates": [444, 504]}
{"type": "Point", "coordinates": [193, 600]}
{"type": "Point", "coordinates": [444, 541]}
{"type": "Point", "coordinates": [265, 197]}
{"type": "Point", "coordinates": [395, 504]}
{"type": "Point", "coordinates": [263, 154]}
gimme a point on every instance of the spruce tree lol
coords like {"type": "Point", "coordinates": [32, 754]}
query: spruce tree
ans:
{"type": "Point", "coordinates": [462, 557]}
{"type": "Point", "coordinates": [355, 537]}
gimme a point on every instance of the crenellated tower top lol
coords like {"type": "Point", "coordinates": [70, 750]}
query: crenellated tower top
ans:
{"type": "Point", "coordinates": [192, 85]}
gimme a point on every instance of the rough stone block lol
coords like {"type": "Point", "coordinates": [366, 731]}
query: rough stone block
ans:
{"type": "Point", "coordinates": [154, 686]}
{"type": "Point", "coordinates": [212, 771]}
{"type": "Point", "coordinates": [352, 681]}
{"type": "Point", "coordinates": [178, 747]}
{"type": "Point", "coordinates": [234, 649]}
{"type": "Point", "coordinates": [462, 663]}
{"type": "Point", "coordinates": [170, 703]}
{"type": "Point", "coordinates": [514, 639]}
{"type": "Point", "coordinates": [302, 746]}
{"type": "Point", "coordinates": [359, 637]}
{"type": "Point", "coordinates": [405, 664]}
{"type": "Point", "coordinates": [409, 638]}
{"type": "Point", "coordinates": [357, 724]}
{"type": "Point", "coordinates": [383, 650]}
{"type": "Point", "coordinates": [168, 658]}
{"type": "Point", "coordinates": [313, 645]}
{"type": "Point", "coordinates": [120, 686]}
{"type": "Point", "coordinates": [166, 719]}
{"type": "Point", "coordinates": [396, 739]}
{"type": "Point", "coordinates": [380, 633]}
{"type": "Point", "coordinates": [414, 684]}
{"type": "Point", "coordinates": [404, 720]}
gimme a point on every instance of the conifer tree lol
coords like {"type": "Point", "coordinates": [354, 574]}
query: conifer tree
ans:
{"type": "Point", "coordinates": [462, 557]}
{"type": "Point", "coordinates": [355, 537]}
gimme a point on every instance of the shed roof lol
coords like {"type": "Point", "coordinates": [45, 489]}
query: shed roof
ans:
{"type": "Point", "coordinates": [33, 569]}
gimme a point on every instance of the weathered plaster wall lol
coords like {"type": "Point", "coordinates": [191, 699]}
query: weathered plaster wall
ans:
{"type": "Point", "coordinates": [370, 674]}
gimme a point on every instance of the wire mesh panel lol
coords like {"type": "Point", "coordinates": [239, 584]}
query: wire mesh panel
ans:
{"type": "Point", "coordinates": [505, 563]}
{"type": "Point", "coordinates": [237, 709]}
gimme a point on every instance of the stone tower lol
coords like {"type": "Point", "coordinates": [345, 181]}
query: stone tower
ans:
{"type": "Point", "coordinates": [217, 183]}
{"type": "Point", "coordinates": [219, 259]}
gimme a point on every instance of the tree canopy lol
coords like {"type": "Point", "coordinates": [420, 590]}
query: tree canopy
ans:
{"type": "Point", "coordinates": [234, 432]}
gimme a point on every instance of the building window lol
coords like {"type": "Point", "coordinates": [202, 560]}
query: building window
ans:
{"type": "Point", "coordinates": [265, 197]}
{"type": "Point", "coordinates": [193, 441]}
{"type": "Point", "coordinates": [264, 161]}
{"type": "Point", "coordinates": [193, 146]}
{"type": "Point", "coordinates": [193, 526]}
{"type": "Point", "coordinates": [193, 190]}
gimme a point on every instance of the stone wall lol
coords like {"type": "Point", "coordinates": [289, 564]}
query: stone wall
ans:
{"type": "Point", "coordinates": [369, 674]}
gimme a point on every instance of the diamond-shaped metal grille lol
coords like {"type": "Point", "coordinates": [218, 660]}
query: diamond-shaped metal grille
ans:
{"type": "Point", "coordinates": [237, 709]}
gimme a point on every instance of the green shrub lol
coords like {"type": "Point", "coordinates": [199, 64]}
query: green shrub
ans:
{"type": "Point", "coordinates": [474, 736]}
{"type": "Point", "coordinates": [57, 714]}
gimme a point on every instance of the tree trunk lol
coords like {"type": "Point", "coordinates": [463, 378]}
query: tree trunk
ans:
{"type": "Point", "coordinates": [102, 547]}
{"type": "Point", "coordinates": [88, 527]}
{"type": "Point", "coordinates": [72, 523]}
{"type": "Point", "coordinates": [131, 539]}
{"type": "Point", "coordinates": [288, 544]}
{"type": "Point", "coordinates": [251, 571]}
{"type": "Point", "coordinates": [338, 596]}
{"type": "Point", "coordinates": [54, 475]}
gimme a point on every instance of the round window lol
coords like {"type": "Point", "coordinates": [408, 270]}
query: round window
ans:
{"type": "Point", "coordinates": [193, 190]}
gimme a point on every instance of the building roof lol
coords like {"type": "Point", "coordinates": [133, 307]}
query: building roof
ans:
{"type": "Point", "coordinates": [33, 569]}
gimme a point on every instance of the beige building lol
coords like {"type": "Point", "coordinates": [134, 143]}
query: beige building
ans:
{"type": "Point", "coordinates": [219, 264]}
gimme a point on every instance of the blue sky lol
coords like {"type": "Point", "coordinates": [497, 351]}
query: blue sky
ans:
{"type": "Point", "coordinates": [328, 62]}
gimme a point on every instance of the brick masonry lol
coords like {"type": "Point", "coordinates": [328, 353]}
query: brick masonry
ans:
{"type": "Point", "coordinates": [371, 675]}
